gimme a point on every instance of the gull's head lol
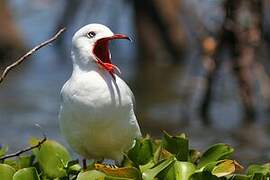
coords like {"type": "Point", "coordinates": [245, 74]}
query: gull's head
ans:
{"type": "Point", "coordinates": [91, 45]}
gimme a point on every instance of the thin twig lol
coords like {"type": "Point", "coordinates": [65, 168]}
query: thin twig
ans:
{"type": "Point", "coordinates": [29, 53]}
{"type": "Point", "coordinates": [18, 153]}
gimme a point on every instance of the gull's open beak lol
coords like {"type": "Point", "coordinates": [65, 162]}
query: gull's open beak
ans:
{"type": "Point", "coordinates": [102, 53]}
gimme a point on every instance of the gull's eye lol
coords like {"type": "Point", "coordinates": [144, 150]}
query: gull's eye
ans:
{"type": "Point", "coordinates": [91, 34]}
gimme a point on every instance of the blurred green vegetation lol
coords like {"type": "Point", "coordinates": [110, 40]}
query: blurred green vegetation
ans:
{"type": "Point", "coordinates": [169, 158]}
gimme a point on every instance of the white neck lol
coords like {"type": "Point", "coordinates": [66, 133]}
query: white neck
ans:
{"type": "Point", "coordinates": [83, 61]}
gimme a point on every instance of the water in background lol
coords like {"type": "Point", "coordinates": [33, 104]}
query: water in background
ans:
{"type": "Point", "coordinates": [167, 97]}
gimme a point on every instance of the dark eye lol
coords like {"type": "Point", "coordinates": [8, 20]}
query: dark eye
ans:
{"type": "Point", "coordinates": [91, 34]}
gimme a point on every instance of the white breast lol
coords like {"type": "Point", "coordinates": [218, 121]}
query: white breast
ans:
{"type": "Point", "coordinates": [97, 116]}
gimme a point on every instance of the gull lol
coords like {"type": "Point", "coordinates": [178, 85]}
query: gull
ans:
{"type": "Point", "coordinates": [97, 107]}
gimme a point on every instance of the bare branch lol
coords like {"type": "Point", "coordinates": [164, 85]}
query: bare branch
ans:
{"type": "Point", "coordinates": [29, 53]}
{"type": "Point", "coordinates": [18, 153]}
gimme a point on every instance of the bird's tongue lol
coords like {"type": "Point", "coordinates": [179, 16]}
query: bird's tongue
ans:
{"type": "Point", "coordinates": [102, 52]}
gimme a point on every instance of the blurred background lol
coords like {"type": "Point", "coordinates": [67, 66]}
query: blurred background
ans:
{"type": "Point", "coordinates": [198, 67]}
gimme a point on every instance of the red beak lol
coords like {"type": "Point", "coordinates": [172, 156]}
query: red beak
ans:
{"type": "Point", "coordinates": [116, 36]}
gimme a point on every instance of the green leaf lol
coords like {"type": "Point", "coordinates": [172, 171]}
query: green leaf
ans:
{"type": "Point", "coordinates": [157, 153]}
{"type": "Point", "coordinates": [142, 152]}
{"type": "Point", "coordinates": [91, 175]}
{"type": "Point", "coordinates": [239, 177]}
{"type": "Point", "coordinates": [153, 161]}
{"type": "Point", "coordinates": [74, 169]}
{"type": "Point", "coordinates": [178, 171]}
{"type": "Point", "coordinates": [3, 150]}
{"type": "Point", "coordinates": [6, 172]}
{"type": "Point", "coordinates": [123, 172]}
{"type": "Point", "coordinates": [12, 162]}
{"type": "Point", "coordinates": [26, 174]}
{"type": "Point", "coordinates": [204, 175]}
{"type": "Point", "coordinates": [147, 166]}
{"type": "Point", "coordinates": [25, 161]}
{"type": "Point", "coordinates": [259, 176]}
{"type": "Point", "coordinates": [153, 172]}
{"type": "Point", "coordinates": [263, 169]}
{"type": "Point", "coordinates": [117, 178]}
{"type": "Point", "coordinates": [177, 145]}
{"type": "Point", "coordinates": [52, 158]}
{"type": "Point", "coordinates": [104, 172]}
{"type": "Point", "coordinates": [215, 153]}
{"type": "Point", "coordinates": [72, 162]}
{"type": "Point", "coordinates": [224, 168]}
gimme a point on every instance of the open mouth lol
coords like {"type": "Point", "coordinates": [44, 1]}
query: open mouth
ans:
{"type": "Point", "coordinates": [102, 52]}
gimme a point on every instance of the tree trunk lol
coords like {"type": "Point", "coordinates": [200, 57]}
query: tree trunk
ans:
{"type": "Point", "coordinates": [159, 31]}
{"type": "Point", "coordinates": [10, 42]}
{"type": "Point", "coordinates": [241, 39]}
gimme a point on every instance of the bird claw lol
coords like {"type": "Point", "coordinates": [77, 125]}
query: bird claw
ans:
{"type": "Point", "coordinates": [112, 166]}
{"type": "Point", "coordinates": [105, 165]}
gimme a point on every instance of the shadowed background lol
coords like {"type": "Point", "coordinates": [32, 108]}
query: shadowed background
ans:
{"type": "Point", "coordinates": [198, 67]}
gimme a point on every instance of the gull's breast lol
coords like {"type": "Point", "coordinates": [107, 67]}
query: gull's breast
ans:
{"type": "Point", "coordinates": [97, 113]}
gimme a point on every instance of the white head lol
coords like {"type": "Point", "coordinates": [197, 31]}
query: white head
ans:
{"type": "Point", "coordinates": [90, 46]}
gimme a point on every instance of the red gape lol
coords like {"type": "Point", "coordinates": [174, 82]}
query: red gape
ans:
{"type": "Point", "coordinates": [102, 52]}
{"type": "Point", "coordinates": [109, 67]}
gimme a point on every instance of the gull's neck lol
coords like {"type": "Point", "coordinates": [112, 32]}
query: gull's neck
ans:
{"type": "Point", "coordinates": [83, 62]}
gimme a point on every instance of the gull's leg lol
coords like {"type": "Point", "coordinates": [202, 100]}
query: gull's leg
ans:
{"type": "Point", "coordinates": [84, 164]}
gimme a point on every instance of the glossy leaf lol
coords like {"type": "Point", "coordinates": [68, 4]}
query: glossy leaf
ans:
{"type": "Point", "coordinates": [224, 168]}
{"type": "Point", "coordinates": [142, 152]}
{"type": "Point", "coordinates": [74, 169]}
{"type": "Point", "coordinates": [3, 150]}
{"type": "Point", "coordinates": [12, 162]}
{"type": "Point", "coordinates": [124, 172]}
{"type": "Point", "coordinates": [156, 157]}
{"type": "Point", "coordinates": [178, 171]}
{"type": "Point", "coordinates": [6, 172]}
{"type": "Point", "coordinates": [239, 177]}
{"type": "Point", "coordinates": [262, 169]}
{"type": "Point", "coordinates": [52, 158]}
{"type": "Point", "coordinates": [177, 145]}
{"type": "Point", "coordinates": [148, 159]}
{"type": "Point", "coordinates": [147, 166]}
{"type": "Point", "coordinates": [204, 175]}
{"type": "Point", "coordinates": [259, 176]}
{"type": "Point", "coordinates": [153, 172]}
{"type": "Point", "coordinates": [215, 153]}
{"type": "Point", "coordinates": [26, 174]}
{"type": "Point", "coordinates": [25, 161]}
{"type": "Point", "coordinates": [91, 175]}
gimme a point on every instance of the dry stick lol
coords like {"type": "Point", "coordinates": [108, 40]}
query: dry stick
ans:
{"type": "Point", "coordinates": [29, 53]}
{"type": "Point", "coordinates": [24, 150]}
{"type": "Point", "coordinates": [13, 65]}
{"type": "Point", "coordinates": [18, 153]}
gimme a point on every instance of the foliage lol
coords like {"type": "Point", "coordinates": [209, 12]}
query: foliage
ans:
{"type": "Point", "coordinates": [169, 158]}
